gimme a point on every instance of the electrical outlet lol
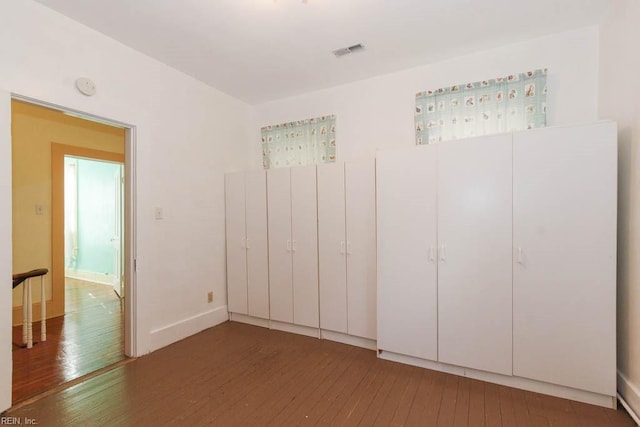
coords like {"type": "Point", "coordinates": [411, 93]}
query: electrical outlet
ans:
{"type": "Point", "coordinates": [210, 297]}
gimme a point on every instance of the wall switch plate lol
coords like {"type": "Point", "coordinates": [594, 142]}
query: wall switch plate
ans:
{"type": "Point", "coordinates": [210, 297]}
{"type": "Point", "coordinates": [39, 210]}
{"type": "Point", "coordinates": [158, 214]}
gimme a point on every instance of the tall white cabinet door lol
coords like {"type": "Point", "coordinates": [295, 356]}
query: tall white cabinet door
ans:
{"type": "Point", "coordinates": [565, 186]}
{"type": "Point", "coordinates": [304, 230]}
{"type": "Point", "coordinates": [360, 187]}
{"type": "Point", "coordinates": [475, 240]}
{"type": "Point", "coordinates": [407, 270]}
{"type": "Point", "coordinates": [257, 244]}
{"type": "Point", "coordinates": [332, 247]}
{"type": "Point", "coordinates": [236, 253]}
{"type": "Point", "coordinates": [280, 245]}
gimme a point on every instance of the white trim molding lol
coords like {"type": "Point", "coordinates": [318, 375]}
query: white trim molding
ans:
{"type": "Point", "coordinates": [509, 381]}
{"type": "Point", "coordinates": [177, 331]}
{"type": "Point", "coordinates": [348, 339]}
{"type": "Point", "coordinates": [249, 320]}
{"type": "Point", "coordinates": [629, 396]}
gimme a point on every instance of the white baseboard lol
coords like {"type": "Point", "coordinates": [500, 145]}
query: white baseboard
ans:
{"type": "Point", "coordinates": [295, 329]}
{"type": "Point", "coordinates": [348, 339]}
{"type": "Point", "coordinates": [249, 320]}
{"type": "Point", "coordinates": [177, 331]}
{"type": "Point", "coordinates": [630, 395]}
{"type": "Point", "coordinates": [89, 276]}
{"type": "Point", "coordinates": [304, 330]}
{"type": "Point", "coordinates": [516, 382]}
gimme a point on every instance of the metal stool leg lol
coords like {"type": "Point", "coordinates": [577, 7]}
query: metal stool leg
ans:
{"type": "Point", "coordinates": [43, 311]}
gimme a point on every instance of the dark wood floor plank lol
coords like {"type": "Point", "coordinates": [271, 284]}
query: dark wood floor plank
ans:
{"type": "Point", "coordinates": [447, 409]}
{"type": "Point", "coordinates": [302, 413]}
{"type": "Point", "coordinates": [292, 391]}
{"type": "Point", "coordinates": [399, 400]}
{"type": "Point", "coordinates": [237, 374]}
{"type": "Point", "coordinates": [493, 417]}
{"type": "Point", "coordinates": [520, 409]}
{"type": "Point", "coordinates": [507, 410]}
{"type": "Point", "coordinates": [381, 397]}
{"type": "Point", "coordinates": [346, 414]}
{"type": "Point", "coordinates": [461, 415]}
{"type": "Point", "coordinates": [336, 400]}
{"type": "Point", "coordinates": [476, 404]}
{"type": "Point", "coordinates": [426, 403]}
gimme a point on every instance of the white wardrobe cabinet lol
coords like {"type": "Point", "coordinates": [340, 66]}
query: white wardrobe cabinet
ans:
{"type": "Point", "coordinates": [474, 240]}
{"type": "Point", "coordinates": [347, 248]}
{"type": "Point", "coordinates": [246, 236]}
{"type": "Point", "coordinates": [524, 289]}
{"type": "Point", "coordinates": [564, 276]}
{"type": "Point", "coordinates": [406, 186]}
{"type": "Point", "coordinates": [293, 245]}
{"type": "Point", "coordinates": [444, 248]}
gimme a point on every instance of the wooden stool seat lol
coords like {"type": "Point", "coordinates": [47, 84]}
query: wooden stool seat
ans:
{"type": "Point", "coordinates": [21, 277]}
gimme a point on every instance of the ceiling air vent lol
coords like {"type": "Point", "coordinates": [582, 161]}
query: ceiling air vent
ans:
{"type": "Point", "coordinates": [347, 50]}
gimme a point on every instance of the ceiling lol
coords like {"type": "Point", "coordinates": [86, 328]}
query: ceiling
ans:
{"type": "Point", "coordinates": [261, 50]}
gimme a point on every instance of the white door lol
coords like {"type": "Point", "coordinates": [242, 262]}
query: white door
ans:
{"type": "Point", "coordinates": [118, 232]}
{"type": "Point", "coordinates": [5, 250]}
{"type": "Point", "coordinates": [280, 244]}
{"type": "Point", "coordinates": [236, 233]}
{"type": "Point", "coordinates": [565, 187]}
{"type": "Point", "coordinates": [475, 239]}
{"type": "Point", "coordinates": [304, 231]}
{"type": "Point", "coordinates": [332, 247]}
{"type": "Point", "coordinates": [257, 244]}
{"type": "Point", "coordinates": [360, 188]}
{"type": "Point", "coordinates": [407, 270]}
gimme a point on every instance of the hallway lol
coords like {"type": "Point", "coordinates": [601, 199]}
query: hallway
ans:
{"type": "Point", "coordinates": [87, 338]}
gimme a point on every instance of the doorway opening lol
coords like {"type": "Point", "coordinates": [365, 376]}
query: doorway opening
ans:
{"type": "Point", "coordinates": [88, 249]}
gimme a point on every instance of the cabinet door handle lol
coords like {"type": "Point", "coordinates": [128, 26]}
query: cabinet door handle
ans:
{"type": "Point", "coordinates": [432, 255]}
{"type": "Point", "coordinates": [443, 254]}
{"type": "Point", "coordinates": [342, 247]}
{"type": "Point", "coordinates": [294, 246]}
{"type": "Point", "coordinates": [243, 243]}
{"type": "Point", "coordinates": [288, 245]}
{"type": "Point", "coordinates": [348, 247]}
{"type": "Point", "coordinates": [246, 244]}
{"type": "Point", "coordinates": [520, 258]}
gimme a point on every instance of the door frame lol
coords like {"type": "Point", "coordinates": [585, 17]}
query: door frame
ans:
{"type": "Point", "coordinates": [58, 153]}
{"type": "Point", "coordinates": [130, 208]}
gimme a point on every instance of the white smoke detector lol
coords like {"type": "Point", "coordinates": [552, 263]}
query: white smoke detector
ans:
{"type": "Point", "coordinates": [86, 86]}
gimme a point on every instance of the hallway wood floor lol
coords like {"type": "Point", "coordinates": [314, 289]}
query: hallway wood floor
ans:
{"type": "Point", "coordinates": [235, 374]}
{"type": "Point", "coordinates": [88, 337]}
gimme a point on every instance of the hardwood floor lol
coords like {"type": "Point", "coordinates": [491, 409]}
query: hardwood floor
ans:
{"type": "Point", "coordinates": [235, 374]}
{"type": "Point", "coordinates": [87, 338]}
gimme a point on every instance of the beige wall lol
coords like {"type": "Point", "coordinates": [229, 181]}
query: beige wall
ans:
{"type": "Point", "coordinates": [619, 99]}
{"type": "Point", "coordinates": [33, 129]}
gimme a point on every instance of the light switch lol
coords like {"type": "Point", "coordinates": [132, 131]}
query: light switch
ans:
{"type": "Point", "coordinates": [39, 210]}
{"type": "Point", "coordinates": [158, 213]}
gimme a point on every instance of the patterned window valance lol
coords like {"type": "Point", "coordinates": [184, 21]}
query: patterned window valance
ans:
{"type": "Point", "coordinates": [303, 142]}
{"type": "Point", "coordinates": [504, 104]}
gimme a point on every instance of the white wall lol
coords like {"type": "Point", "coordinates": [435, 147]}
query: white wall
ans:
{"type": "Point", "coordinates": [620, 101]}
{"type": "Point", "coordinates": [187, 135]}
{"type": "Point", "coordinates": [378, 112]}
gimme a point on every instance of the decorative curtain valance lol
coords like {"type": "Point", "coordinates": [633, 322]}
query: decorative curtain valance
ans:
{"type": "Point", "coordinates": [504, 104]}
{"type": "Point", "coordinates": [303, 142]}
